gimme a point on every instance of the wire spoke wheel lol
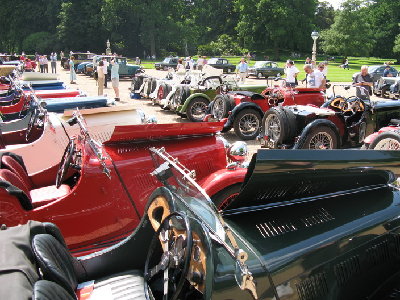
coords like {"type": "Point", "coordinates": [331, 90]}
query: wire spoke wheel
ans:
{"type": "Point", "coordinates": [218, 108]}
{"type": "Point", "coordinates": [272, 127]}
{"type": "Point", "coordinates": [388, 144]}
{"type": "Point", "coordinates": [248, 124]}
{"type": "Point", "coordinates": [321, 140]}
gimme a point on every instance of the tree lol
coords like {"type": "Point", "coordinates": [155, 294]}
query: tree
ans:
{"type": "Point", "coordinates": [396, 47]}
{"type": "Point", "coordinates": [41, 42]}
{"type": "Point", "coordinates": [349, 34]}
{"type": "Point", "coordinates": [324, 15]}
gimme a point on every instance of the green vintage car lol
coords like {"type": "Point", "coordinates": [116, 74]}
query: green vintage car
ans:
{"type": "Point", "coordinates": [125, 69]}
{"type": "Point", "coordinates": [79, 57]}
{"type": "Point", "coordinates": [306, 225]}
{"type": "Point", "coordinates": [193, 102]}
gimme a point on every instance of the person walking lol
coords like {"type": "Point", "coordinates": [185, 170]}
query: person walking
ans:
{"type": "Point", "coordinates": [41, 63]}
{"type": "Point", "coordinates": [291, 74]}
{"type": "Point", "coordinates": [115, 78]}
{"type": "Point", "coordinates": [242, 69]}
{"type": "Point", "coordinates": [45, 64]}
{"type": "Point", "coordinates": [72, 74]}
{"type": "Point", "coordinates": [100, 78]}
{"type": "Point", "coordinates": [53, 62]}
{"type": "Point", "coordinates": [315, 79]}
{"type": "Point", "coordinates": [180, 65]}
{"type": "Point", "coordinates": [363, 83]}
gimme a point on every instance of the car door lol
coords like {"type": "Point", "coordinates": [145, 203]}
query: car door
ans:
{"type": "Point", "coordinates": [123, 68]}
{"type": "Point", "coordinates": [267, 70]}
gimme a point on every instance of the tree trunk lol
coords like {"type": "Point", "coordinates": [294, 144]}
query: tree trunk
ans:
{"type": "Point", "coordinates": [152, 43]}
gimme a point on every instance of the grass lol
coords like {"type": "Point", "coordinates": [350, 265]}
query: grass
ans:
{"type": "Point", "coordinates": [335, 73]}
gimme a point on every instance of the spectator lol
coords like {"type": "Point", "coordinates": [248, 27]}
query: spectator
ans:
{"type": "Point", "coordinates": [363, 83]}
{"type": "Point", "coordinates": [322, 67]}
{"type": "Point", "coordinates": [291, 74]}
{"type": "Point", "coordinates": [28, 65]}
{"type": "Point", "coordinates": [386, 72]}
{"type": "Point", "coordinates": [189, 63]}
{"type": "Point", "coordinates": [345, 64]}
{"type": "Point", "coordinates": [180, 65]}
{"type": "Point", "coordinates": [200, 63]}
{"type": "Point", "coordinates": [72, 74]}
{"type": "Point", "coordinates": [41, 63]}
{"type": "Point", "coordinates": [137, 61]}
{"type": "Point", "coordinates": [100, 78]}
{"type": "Point", "coordinates": [308, 61]}
{"type": "Point", "coordinates": [53, 62]}
{"type": "Point", "coordinates": [46, 64]}
{"type": "Point", "coordinates": [315, 79]}
{"type": "Point", "coordinates": [115, 78]}
{"type": "Point", "coordinates": [242, 68]}
{"type": "Point", "coordinates": [105, 71]}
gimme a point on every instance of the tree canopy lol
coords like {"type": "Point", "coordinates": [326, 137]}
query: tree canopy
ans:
{"type": "Point", "coordinates": [209, 27]}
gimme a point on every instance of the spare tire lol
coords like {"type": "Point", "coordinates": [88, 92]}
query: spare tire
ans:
{"type": "Point", "coordinates": [185, 94]}
{"type": "Point", "coordinates": [275, 125]}
{"type": "Point", "coordinates": [291, 125]}
{"type": "Point", "coordinates": [222, 105]}
{"type": "Point", "coordinates": [162, 91]}
{"type": "Point", "coordinates": [153, 85]}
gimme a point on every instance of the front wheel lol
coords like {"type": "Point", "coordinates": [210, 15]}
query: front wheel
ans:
{"type": "Point", "coordinates": [223, 198]}
{"type": "Point", "coordinates": [259, 75]}
{"type": "Point", "coordinates": [197, 109]}
{"type": "Point", "coordinates": [389, 140]}
{"type": "Point", "coordinates": [247, 124]}
{"type": "Point", "coordinates": [320, 138]}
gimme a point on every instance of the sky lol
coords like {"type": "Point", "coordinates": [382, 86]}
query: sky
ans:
{"type": "Point", "coordinates": [335, 3]}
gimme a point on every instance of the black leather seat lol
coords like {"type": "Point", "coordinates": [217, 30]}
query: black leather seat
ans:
{"type": "Point", "coordinates": [48, 290]}
{"type": "Point", "coordinates": [59, 266]}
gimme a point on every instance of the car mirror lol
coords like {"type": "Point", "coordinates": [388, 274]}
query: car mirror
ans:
{"type": "Point", "coordinates": [347, 87]}
{"type": "Point", "coordinates": [238, 151]}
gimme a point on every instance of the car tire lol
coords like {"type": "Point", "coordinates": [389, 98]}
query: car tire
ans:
{"type": "Point", "coordinates": [321, 138]}
{"type": "Point", "coordinates": [259, 75]}
{"type": "Point", "coordinates": [389, 140]}
{"type": "Point", "coordinates": [153, 85]}
{"type": "Point", "coordinates": [197, 109]}
{"type": "Point", "coordinates": [185, 94]}
{"type": "Point", "coordinates": [223, 198]}
{"type": "Point", "coordinates": [247, 124]}
{"type": "Point", "coordinates": [384, 91]}
{"type": "Point", "coordinates": [276, 127]}
{"type": "Point", "coordinates": [221, 107]}
{"type": "Point", "coordinates": [228, 71]}
{"type": "Point", "coordinates": [165, 68]}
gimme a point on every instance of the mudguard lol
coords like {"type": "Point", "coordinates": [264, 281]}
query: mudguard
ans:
{"type": "Point", "coordinates": [238, 108]}
{"type": "Point", "coordinates": [320, 122]}
{"type": "Point", "coordinates": [182, 108]}
{"type": "Point", "coordinates": [221, 179]}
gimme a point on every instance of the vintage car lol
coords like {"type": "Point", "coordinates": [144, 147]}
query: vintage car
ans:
{"type": "Point", "coordinates": [221, 63]}
{"type": "Point", "coordinates": [244, 110]}
{"type": "Point", "coordinates": [305, 225]}
{"type": "Point", "coordinates": [125, 69]}
{"type": "Point", "coordinates": [79, 57]}
{"type": "Point", "coordinates": [376, 72]}
{"type": "Point", "coordinates": [339, 123]}
{"type": "Point", "coordinates": [387, 87]}
{"type": "Point", "coordinates": [265, 69]}
{"type": "Point", "coordinates": [168, 62]}
{"type": "Point", "coordinates": [386, 138]}
{"type": "Point", "coordinates": [106, 187]}
{"type": "Point", "coordinates": [80, 69]}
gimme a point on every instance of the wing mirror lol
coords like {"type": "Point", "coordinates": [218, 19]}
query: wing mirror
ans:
{"type": "Point", "coordinates": [238, 151]}
{"type": "Point", "coordinates": [72, 121]}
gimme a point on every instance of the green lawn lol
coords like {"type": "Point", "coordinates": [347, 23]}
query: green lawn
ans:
{"type": "Point", "coordinates": [335, 74]}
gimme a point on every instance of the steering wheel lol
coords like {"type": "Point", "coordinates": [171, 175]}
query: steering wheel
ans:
{"type": "Point", "coordinates": [173, 240]}
{"type": "Point", "coordinates": [341, 104]}
{"type": "Point", "coordinates": [355, 104]}
{"type": "Point", "coordinates": [31, 124]}
{"type": "Point", "coordinates": [65, 162]}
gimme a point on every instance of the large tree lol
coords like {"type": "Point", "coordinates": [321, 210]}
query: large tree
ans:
{"type": "Point", "coordinates": [350, 34]}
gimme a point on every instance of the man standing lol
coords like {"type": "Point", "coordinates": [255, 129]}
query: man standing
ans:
{"type": "Point", "coordinates": [115, 78]}
{"type": "Point", "coordinates": [53, 60]}
{"type": "Point", "coordinates": [291, 73]}
{"type": "Point", "coordinates": [105, 70]}
{"type": "Point", "coordinates": [314, 79]}
{"type": "Point", "coordinates": [242, 69]}
{"type": "Point", "coordinates": [363, 83]}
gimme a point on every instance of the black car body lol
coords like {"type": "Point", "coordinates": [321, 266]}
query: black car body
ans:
{"type": "Point", "coordinates": [221, 63]}
{"type": "Point", "coordinates": [339, 123]}
{"type": "Point", "coordinates": [305, 225]}
{"type": "Point", "coordinates": [168, 62]}
{"type": "Point", "coordinates": [265, 69]}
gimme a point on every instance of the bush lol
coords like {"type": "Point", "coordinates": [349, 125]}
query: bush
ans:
{"type": "Point", "coordinates": [42, 42]}
{"type": "Point", "coordinates": [224, 45]}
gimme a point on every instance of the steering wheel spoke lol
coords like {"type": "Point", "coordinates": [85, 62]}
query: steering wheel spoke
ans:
{"type": "Point", "coordinates": [66, 162]}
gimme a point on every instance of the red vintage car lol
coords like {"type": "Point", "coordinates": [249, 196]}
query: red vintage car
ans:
{"type": "Point", "coordinates": [243, 111]}
{"type": "Point", "coordinates": [386, 138]}
{"type": "Point", "coordinates": [106, 187]}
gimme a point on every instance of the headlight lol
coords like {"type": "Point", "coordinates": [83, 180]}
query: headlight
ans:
{"type": "Point", "coordinates": [238, 151]}
{"type": "Point", "coordinates": [224, 141]}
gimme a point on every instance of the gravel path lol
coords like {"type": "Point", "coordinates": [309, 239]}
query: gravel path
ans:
{"type": "Point", "coordinates": [88, 85]}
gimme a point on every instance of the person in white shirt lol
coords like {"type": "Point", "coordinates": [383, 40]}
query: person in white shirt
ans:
{"type": "Point", "coordinates": [105, 70]}
{"type": "Point", "coordinates": [242, 68]}
{"type": "Point", "coordinates": [291, 73]}
{"type": "Point", "coordinates": [315, 79]}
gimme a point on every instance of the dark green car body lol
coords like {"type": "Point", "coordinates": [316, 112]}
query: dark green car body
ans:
{"type": "Point", "coordinates": [265, 69]}
{"type": "Point", "coordinates": [125, 69]}
{"type": "Point", "coordinates": [221, 63]}
{"type": "Point", "coordinates": [168, 62]}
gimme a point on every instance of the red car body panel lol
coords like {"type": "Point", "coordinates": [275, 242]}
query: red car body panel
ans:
{"type": "Point", "coordinates": [107, 210]}
{"type": "Point", "coordinates": [369, 139]}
